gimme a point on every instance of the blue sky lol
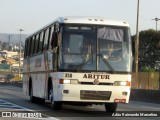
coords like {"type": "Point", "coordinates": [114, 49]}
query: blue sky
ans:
{"type": "Point", "coordinates": [31, 15]}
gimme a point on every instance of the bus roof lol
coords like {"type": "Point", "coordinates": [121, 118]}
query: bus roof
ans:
{"type": "Point", "coordinates": [90, 20]}
{"type": "Point", "coordinates": [84, 20]}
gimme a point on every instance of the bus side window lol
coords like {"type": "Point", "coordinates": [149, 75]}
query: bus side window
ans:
{"type": "Point", "coordinates": [40, 46]}
{"type": "Point", "coordinates": [43, 41]}
{"type": "Point", "coordinates": [54, 41]}
{"type": "Point", "coordinates": [36, 43]}
{"type": "Point", "coordinates": [49, 38]}
{"type": "Point", "coordinates": [28, 47]}
{"type": "Point", "coordinates": [25, 49]}
{"type": "Point", "coordinates": [32, 45]}
{"type": "Point", "coordinates": [46, 39]}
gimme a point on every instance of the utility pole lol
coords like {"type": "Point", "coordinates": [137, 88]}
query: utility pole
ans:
{"type": "Point", "coordinates": [19, 74]}
{"type": "Point", "coordinates": [156, 19]}
{"type": "Point", "coordinates": [137, 39]}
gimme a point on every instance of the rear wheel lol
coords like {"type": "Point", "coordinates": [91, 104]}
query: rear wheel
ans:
{"type": "Point", "coordinates": [110, 107]}
{"type": "Point", "coordinates": [32, 98]}
{"type": "Point", "coordinates": [40, 100]}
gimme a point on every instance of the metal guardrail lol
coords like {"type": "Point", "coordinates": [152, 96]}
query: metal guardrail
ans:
{"type": "Point", "coordinates": [14, 83]}
{"type": "Point", "coordinates": [140, 80]}
{"type": "Point", "coordinates": [7, 72]}
{"type": "Point", "coordinates": [146, 80]}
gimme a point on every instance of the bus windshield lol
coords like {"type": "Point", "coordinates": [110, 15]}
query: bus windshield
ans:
{"type": "Point", "coordinates": [95, 48]}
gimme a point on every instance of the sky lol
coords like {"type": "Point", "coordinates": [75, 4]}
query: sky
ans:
{"type": "Point", "coordinates": [31, 15]}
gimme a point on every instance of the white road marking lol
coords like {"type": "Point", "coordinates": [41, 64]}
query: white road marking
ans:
{"type": "Point", "coordinates": [8, 106]}
{"type": "Point", "coordinates": [49, 118]}
{"type": "Point", "coordinates": [151, 107]}
{"type": "Point", "coordinates": [11, 106]}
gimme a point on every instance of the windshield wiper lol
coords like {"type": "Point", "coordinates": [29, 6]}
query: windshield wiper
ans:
{"type": "Point", "coordinates": [83, 64]}
{"type": "Point", "coordinates": [106, 62]}
{"type": "Point", "coordinates": [102, 57]}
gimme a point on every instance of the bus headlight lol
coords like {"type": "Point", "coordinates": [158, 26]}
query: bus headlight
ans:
{"type": "Point", "coordinates": [66, 81]}
{"type": "Point", "coordinates": [122, 83]}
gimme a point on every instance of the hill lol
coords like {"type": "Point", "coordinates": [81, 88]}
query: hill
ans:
{"type": "Point", "coordinates": [12, 38]}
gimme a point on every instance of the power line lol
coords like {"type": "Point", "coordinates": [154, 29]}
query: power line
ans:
{"type": "Point", "coordinates": [156, 19]}
{"type": "Point", "coordinates": [149, 21]}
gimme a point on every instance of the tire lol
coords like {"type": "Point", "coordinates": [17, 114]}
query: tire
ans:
{"type": "Point", "coordinates": [55, 105]}
{"type": "Point", "coordinates": [32, 98]}
{"type": "Point", "coordinates": [110, 107]}
{"type": "Point", "coordinates": [40, 100]}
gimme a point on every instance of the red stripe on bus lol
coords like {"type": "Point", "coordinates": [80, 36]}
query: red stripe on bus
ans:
{"type": "Point", "coordinates": [45, 73]}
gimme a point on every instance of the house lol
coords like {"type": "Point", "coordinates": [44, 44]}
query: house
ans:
{"type": "Point", "coordinates": [8, 54]}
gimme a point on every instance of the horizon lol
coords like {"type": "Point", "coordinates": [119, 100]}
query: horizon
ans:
{"type": "Point", "coordinates": [12, 38]}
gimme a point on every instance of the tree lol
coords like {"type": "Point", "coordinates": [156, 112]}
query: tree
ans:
{"type": "Point", "coordinates": [149, 49]}
{"type": "Point", "coordinates": [5, 46]}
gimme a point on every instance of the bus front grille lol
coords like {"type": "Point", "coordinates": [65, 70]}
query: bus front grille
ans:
{"type": "Point", "coordinates": [95, 95]}
{"type": "Point", "coordinates": [91, 83]}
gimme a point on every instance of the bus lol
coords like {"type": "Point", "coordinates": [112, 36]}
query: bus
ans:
{"type": "Point", "coordinates": [79, 61]}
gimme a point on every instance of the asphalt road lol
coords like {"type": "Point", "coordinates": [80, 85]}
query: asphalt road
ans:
{"type": "Point", "coordinates": [14, 101]}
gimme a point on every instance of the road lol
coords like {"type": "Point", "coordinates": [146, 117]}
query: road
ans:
{"type": "Point", "coordinates": [13, 99]}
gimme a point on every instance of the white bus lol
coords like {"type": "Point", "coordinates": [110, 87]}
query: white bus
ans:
{"type": "Point", "coordinates": [79, 60]}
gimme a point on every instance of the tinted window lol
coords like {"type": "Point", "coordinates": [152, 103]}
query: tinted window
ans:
{"type": "Point", "coordinates": [36, 43]}
{"type": "Point", "coordinates": [40, 46]}
{"type": "Point", "coordinates": [46, 39]}
{"type": "Point", "coordinates": [48, 42]}
{"type": "Point", "coordinates": [50, 37]}
{"type": "Point", "coordinates": [75, 43]}
{"type": "Point", "coordinates": [32, 45]}
{"type": "Point", "coordinates": [25, 51]}
{"type": "Point", "coordinates": [28, 47]}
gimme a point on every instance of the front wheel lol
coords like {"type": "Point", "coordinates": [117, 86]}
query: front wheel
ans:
{"type": "Point", "coordinates": [55, 105]}
{"type": "Point", "coordinates": [110, 107]}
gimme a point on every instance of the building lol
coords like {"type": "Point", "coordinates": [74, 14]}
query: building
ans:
{"type": "Point", "coordinates": [8, 54]}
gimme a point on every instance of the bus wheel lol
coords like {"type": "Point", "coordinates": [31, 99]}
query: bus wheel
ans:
{"type": "Point", "coordinates": [110, 107]}
{"type": "Point", "coordinates": [32, 98]}
{"type": "Point", "coordinates": [41, 100]}
{"type": "Point", "coordinates": [55, 105]}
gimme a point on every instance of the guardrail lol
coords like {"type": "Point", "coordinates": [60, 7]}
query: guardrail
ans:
{"type": "Point", "coordinates": [14, 83]}
{"type": "Point", "coordinates": [140, 80]}
{"type": "Point", "coordinates": [146, 80]}
{"type": "Point", "coordinates": [145, 86]}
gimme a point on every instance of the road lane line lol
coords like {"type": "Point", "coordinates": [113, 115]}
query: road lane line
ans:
{"type": "Point", "coordinates": [11, 106]}
{"type": "Point", "coordinates": [9, 103]}
{"type": "Point", "coordinates": [151, 107]}
{"type": "Point", "coordinates": [49, 118]}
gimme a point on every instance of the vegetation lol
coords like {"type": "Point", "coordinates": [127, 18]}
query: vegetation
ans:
{"type": "Point", "coordinates": [149, 50]}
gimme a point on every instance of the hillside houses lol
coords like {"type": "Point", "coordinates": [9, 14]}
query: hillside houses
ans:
{"type": "Point", "coordinates": [10, 58]}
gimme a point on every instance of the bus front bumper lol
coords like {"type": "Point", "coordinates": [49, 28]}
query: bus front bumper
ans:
{"type": "Point", "coordinates": [93, 93]}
